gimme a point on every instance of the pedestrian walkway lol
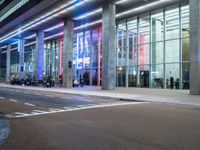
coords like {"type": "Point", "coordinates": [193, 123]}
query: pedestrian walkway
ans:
{"type": "Point", "coordinates": [133, 94]}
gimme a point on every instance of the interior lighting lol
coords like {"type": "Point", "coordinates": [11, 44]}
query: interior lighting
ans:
{"type": "Point", "coordinates": [55, 35]}
{"type": "Point", "coordinates": [141, 8]}
{"type": "Point", "coordinates": [44, 18]}
{"type": "Point", "coordinates": [54, 27]}
{"type": "Point", "coordinates": [88, 24]}
{"type": "Point", "coordinates": [89, 14]}
{"type": "Point", "coordinates": [31, 36]}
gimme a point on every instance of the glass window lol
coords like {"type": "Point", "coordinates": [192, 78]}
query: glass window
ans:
{"type": "Point", "coordinates": [132, 32]}
{"type": "Point", "coordinates": [132, 41]}
{"type": "Point", "coordinates": [14, 62]}
{"type": "Point", "coordinates": [121, 76]}
{"type": "Point", "coordinates": [87, 49]}
{"type": "Point", "coordinates": [185, 76]}
{"type": "Point", "coordinates": [185, 49]}
{"type": "Point", "coordinates": [157, 52]}
{"type": "Point", "coordinates": [172, 51]}
{"type": "Point", "coordinates": [157, 76]}
{"type": "Point", "coordinates": [172, 75]}
{"type": "Point", "coordinates": [144, 75]}
{"type": "Point", "coordinates": [144, 30]}
{"type": "Point", "coordinates": [144, 54]}
{"type": "Point", "coordinates": [172, 23]}
{"type": "Point", "coordinates": [157, 26]}
{"type": "Point", "coordinates": [185, 20]}
{"type": "Point", "coordinates": [121, 40]}
{"type": "Point", "coordinates": [133, 55]}
{"type": "Point", "coordinates": [132, 76]}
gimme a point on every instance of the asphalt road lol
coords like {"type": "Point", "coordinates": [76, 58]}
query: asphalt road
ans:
{"type": "Point", "coordinates": [53, 121]}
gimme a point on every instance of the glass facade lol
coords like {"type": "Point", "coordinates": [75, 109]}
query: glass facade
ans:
{"type": "Point", "coordinates": [87, 56]}
{"type": "Point", "coordinates": [152, 52]}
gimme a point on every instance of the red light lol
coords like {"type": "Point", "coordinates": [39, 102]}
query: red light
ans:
{"type": "Point", "coordinates": [61, 47]}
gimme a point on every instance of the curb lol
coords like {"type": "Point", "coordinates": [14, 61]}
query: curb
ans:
{"type": "Point", "coordinates": [108, 97]}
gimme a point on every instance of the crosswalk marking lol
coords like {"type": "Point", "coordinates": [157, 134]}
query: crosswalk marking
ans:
{"type": "Point", "coordinates": [29, 104]}
{"type": "Point", "coordinates": [68, 109]}
{"type": "Point", "coordinates": [13, 100]}
{"type": "Point", "coordinates": [19, 113]}
{"type": "Point", "coordinates": [66, 97]}
{"type": "Point", "coordinates": [39, 111]}
{"type": "Point", "coordinates": [54, 109]}
{"type": "Point", "coordinates": [49, 95]}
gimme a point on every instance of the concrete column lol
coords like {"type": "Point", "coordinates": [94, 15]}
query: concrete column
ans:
{"type": "Point", "coordinates": [108, 47]}
{"type": "Point", "coordinates": [8, 64]}
{"type": "Point", "coordinates": [39, 56]}
{"type": "Point", "coordinates": [194, 47]}
{"type": "Point", "coordinates": [21, 57]}
{"type": "Point", "coordinates": [68, 53]}
{"type": "Point", "coordinates": [0, 63]}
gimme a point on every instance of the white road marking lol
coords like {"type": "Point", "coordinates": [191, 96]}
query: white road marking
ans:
{"type": "Point", "coordinates": [66, 97]}
{"type": "Point", "coordinates": [82, 108]}
{"type": "Point", "coordinates": [19, 113]}
{"type": "Point", "coordinates": [84, 105]}
{"type": "Point", "coordinates": [2, 98]}
{"type": "Point", "coordinates": [9, 116]}
{"type": "Point", "coordinates": [29, 104]}
{"type": "Point", "coordinates": [86, 100]}
{"type": "Point", "coordinates": [13, 100]}
{"type": "Point", "coordinates": [37, 94]}
{"type": "Point", "coordinates": [69, 107]}
{"type": "Point", "coordinates": [54, 109]}
{"type": "Point", "coordinates": [49, 95]}
{"type": "Point", "coordinates": [35, 113]}
{"type": "Point", "coordinates": [39, 111]}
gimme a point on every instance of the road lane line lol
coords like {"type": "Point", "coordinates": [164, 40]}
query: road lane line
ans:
{"type": "Point", "coordinates": [9, 116]}
{"type": "Point", "coordinates": [37, 94]}
{"type": "Point", "coordinates": [29, 104]}
{"type": "Point", "coordinates": [54, 109]}
{"type": "Point", "coordinates": [13, 100]}
{"type": "Point", "coordinates": [49, 95]}
{"type": "Point", "coordinates": [86, 100]}
{"type": "Point", "coordinates": [19, 113]}
{"type": "Point", "coordinates": [84, 105]}
{"type": "Point", "coordinates": [82, 108]}
{"type": "Point", "coordinates": [66, 97]}
{"type": "Point", "coordinates": [2, 98]}
{"type": "Point", "coordinates": [40, 111]}
{"type": "Point", "coordinates": [69, 107]}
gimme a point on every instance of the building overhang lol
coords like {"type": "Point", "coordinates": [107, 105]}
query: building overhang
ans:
{"type": "Point", "coordinates": [85, 13]}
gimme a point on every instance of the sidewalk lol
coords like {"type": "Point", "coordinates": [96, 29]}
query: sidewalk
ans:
{"type": "Point", "coordinates": [138, 94]}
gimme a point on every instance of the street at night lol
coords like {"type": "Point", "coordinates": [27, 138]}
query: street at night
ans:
{"type": "Point", "coordinates": [45, 121]}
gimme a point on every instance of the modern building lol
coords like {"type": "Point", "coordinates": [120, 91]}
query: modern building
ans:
{"type": "Point", "coordinates": [108, 43]}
